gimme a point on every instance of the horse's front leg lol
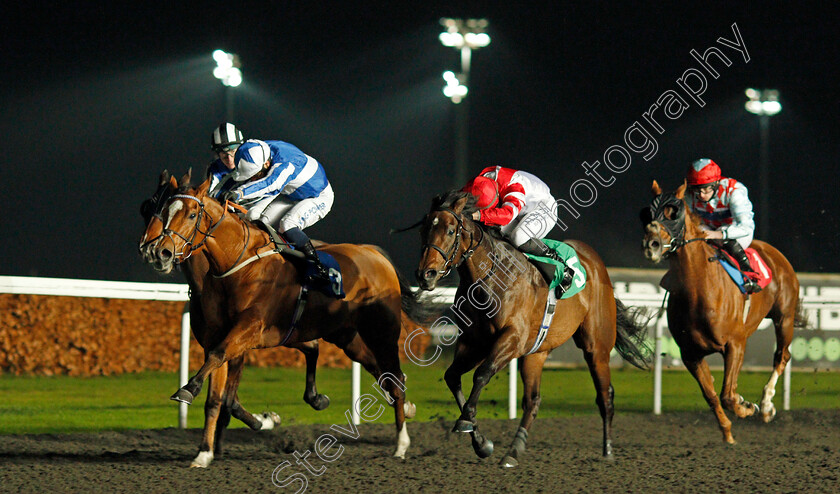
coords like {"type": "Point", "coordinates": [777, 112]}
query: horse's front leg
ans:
{"type": "Point", "coordinates": [733, 359]}
{"type": "Point", "coordinates": [245, 335]}
{"type": "Point", "coordinates": [531, 372]}
{"type": "Point", "coordinates": [465, 360]}
{"type": "Point", "coordinates": [700, 370]}
{"type": "Point", "coordinates": [216, 418]}
{"type": "Point", "coordinates": [504, 349]}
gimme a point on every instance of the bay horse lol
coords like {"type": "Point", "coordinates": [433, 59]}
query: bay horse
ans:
{"type": "Point", "coordinates": [708, 314]}
{"type": "Point", "coordinates": [262, 295]}
{"type": "Point", "coordinates": [506, 298]}
{"type": "Point", "coordinates": [207, 320]}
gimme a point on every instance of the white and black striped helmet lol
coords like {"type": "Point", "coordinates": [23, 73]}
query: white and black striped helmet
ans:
{"type": "Point", "coordinates": [226, 135]}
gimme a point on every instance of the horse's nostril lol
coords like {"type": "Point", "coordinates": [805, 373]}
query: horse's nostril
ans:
{"type": "Point", "coordinates": [429, 274]}
{"type": "Point", "coordinates": [165, 254]}
{"type": "Point", "coordinates": [654, 245]}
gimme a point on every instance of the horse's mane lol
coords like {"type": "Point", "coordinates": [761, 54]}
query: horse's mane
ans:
{"type": "Point", "coordinates": [689, 212]}
{"type": "Point", "coordinates": [448, 200]}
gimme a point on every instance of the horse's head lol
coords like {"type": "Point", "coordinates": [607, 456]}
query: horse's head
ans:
{"type": "Point", "coordinates": [443, 237]}
{"type": "Point", "coordinates": [150, 210]}
{"type": "Point", "coordinates": [175, 231]}
{"type": "Point", "coordinates": [664, 223]}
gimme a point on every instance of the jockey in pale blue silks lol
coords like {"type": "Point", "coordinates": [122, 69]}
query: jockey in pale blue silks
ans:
{"type": "Point", "coordinates": [725, 210]}
{"type": "Point", "coordinates": [282, 187]}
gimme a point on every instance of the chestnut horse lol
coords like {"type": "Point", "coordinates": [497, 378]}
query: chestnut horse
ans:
{"type": "Point", "coordinates": [207, 319]}
{"type": "Point", "coordinates": [506, 300]}
{"type": "Point", "coordinates": [708, 314]}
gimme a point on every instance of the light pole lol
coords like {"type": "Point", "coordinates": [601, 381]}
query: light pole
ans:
{"type": "Point", "coordinates": [464, 35]}
{"type": "Point", "coordinates": [227, 71]}
{"type": "Point", "coordinates": [765, 104]}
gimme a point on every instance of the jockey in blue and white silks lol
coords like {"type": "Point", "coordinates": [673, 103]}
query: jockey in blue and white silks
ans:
{"type": "Point", "coordinates": [283, 187]}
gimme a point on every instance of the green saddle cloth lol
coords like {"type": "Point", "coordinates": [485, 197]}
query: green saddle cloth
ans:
{"type": "Point", "coordinates": [568, 254]}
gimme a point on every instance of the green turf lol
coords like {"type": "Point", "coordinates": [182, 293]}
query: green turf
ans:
{"type": "Point", "coordinates": [141, 401]}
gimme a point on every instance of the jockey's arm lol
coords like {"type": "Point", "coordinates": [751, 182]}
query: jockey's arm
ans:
{"type": "Point", "coordinates": [500, 216]}
{"type": "Point", "coordinates": [218, 185]}
{"type": "Point", "coordinates": [742, 215]}
{"type": "Point", "coordinates": [278, 176]}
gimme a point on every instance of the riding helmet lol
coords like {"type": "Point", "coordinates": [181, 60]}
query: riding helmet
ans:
{"type": "Point", "coordinates": [226, 135]}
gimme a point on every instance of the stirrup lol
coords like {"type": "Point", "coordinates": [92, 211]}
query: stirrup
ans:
{"type": "Point", "coordinates": [565, 284]}
{"type": "Point", "coordinates": [751, 286]}
{"type": "Point", "coordinates": [320, 272]}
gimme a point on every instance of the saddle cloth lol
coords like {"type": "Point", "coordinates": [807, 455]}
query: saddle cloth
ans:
{"type": "Point", "coordinates": [761, 273]}
{"type": "Point", "coordinates": [335, 288]}
{"type": "Point", "coordinates": [568, 254]}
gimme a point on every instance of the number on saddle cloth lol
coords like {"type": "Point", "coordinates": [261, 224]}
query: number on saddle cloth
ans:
{"type": "Point", "coordinates": [335, 287]}
{"type": "Point", "coordinates": [568, 254]}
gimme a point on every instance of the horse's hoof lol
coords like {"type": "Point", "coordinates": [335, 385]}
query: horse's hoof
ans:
{"type": "Point", "coordinates": [509, 462]}
{"type": "Point", "coordinates": [410, 409]}
{"type": "Point", "coordinates": [463, 426]}
{"type": "Point", "coordinates": [320, 402]}
{"type": "Point", "coordinates": [769, 415]}
{"type": "Point", "coordinates": [483, 449]}
{"type": "Point", "coordinates": [183, 396]}
{"type": "Point", "coordinates": [202, 460]}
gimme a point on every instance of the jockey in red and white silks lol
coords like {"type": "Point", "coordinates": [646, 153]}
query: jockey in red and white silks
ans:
{"type": "Point", "coordinates": [517, 201]}
{"type": "Point", "coordinates": [728, 210]}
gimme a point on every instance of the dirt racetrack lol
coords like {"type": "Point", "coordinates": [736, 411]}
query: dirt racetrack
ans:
{"type": "Point", "coordinates": [798, 452]}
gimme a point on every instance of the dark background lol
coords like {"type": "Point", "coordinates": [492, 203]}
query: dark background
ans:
{"type": "Point", "coordinates": [98, 98]}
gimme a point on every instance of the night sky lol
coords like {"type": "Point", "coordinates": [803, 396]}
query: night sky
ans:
{"type": "Point", "coordinates": [99, 98]}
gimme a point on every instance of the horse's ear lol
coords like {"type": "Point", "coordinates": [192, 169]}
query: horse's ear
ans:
{"type": "Point", "coordinates": [202, 189]}
{"type": "Point", "coordinates": [681, 191]}
{"type": "Point", "coordinates": [173, 183]}
{"type": "Point", "coordinates": [185, 180]}
{"type": "Point", "coordinates": [458, 205]}
{"type": "Point", "coordinates": [655, 188]}
{"type": "Point", "coordinates": [164, 177]}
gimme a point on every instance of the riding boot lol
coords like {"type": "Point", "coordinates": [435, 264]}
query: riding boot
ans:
{"type": "Point", "coordinates": [537, 247]}
{"type": "Point", "coordinates": [311, 254]}
{"type": "Point", "coordinates": [737, 252]}
{"type": "Point", "coordinates": [303, 244]}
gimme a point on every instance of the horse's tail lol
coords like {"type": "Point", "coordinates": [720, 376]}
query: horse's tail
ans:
{"type": "Point", "coordinates": [631, 329]}
{"type": "Point", "coordinates": [800, 317]}
{"type": "Point", "coordinates": [412, 306]}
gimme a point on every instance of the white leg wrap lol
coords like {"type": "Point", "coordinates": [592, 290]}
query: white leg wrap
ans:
{"type": "Point", "coordinates": [402, 442]}
{"type": "Point", "coordinates": [767, 408]}
{"type": "Point", "coordinates": [269, 420]}
{"type": "Point", "coordinates": [410, 409]}
{"type": "Point", "coordinates": [202, 460]}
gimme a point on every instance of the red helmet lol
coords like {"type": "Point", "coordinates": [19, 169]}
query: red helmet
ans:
{"type": "Point", "coordinates": [703, 171]}
{"type": "Point", "coordinates": [485, 189]}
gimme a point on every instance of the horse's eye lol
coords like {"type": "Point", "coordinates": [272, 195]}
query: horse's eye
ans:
{"type": "Point", "coordinates": [192, 216]}
{"type": "Point", "coordinates": [450, 232]}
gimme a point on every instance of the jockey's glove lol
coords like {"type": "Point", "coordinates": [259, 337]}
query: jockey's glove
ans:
{"type": "Point", "coordinates": [232, 196]}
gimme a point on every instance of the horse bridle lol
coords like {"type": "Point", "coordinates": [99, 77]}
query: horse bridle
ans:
{"type": "Point", "coordinates": [188, 247]}
{"type": "Point", "coordinates": [449, 258]}
{"type": "Point", "coordinates": [675, 227]}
